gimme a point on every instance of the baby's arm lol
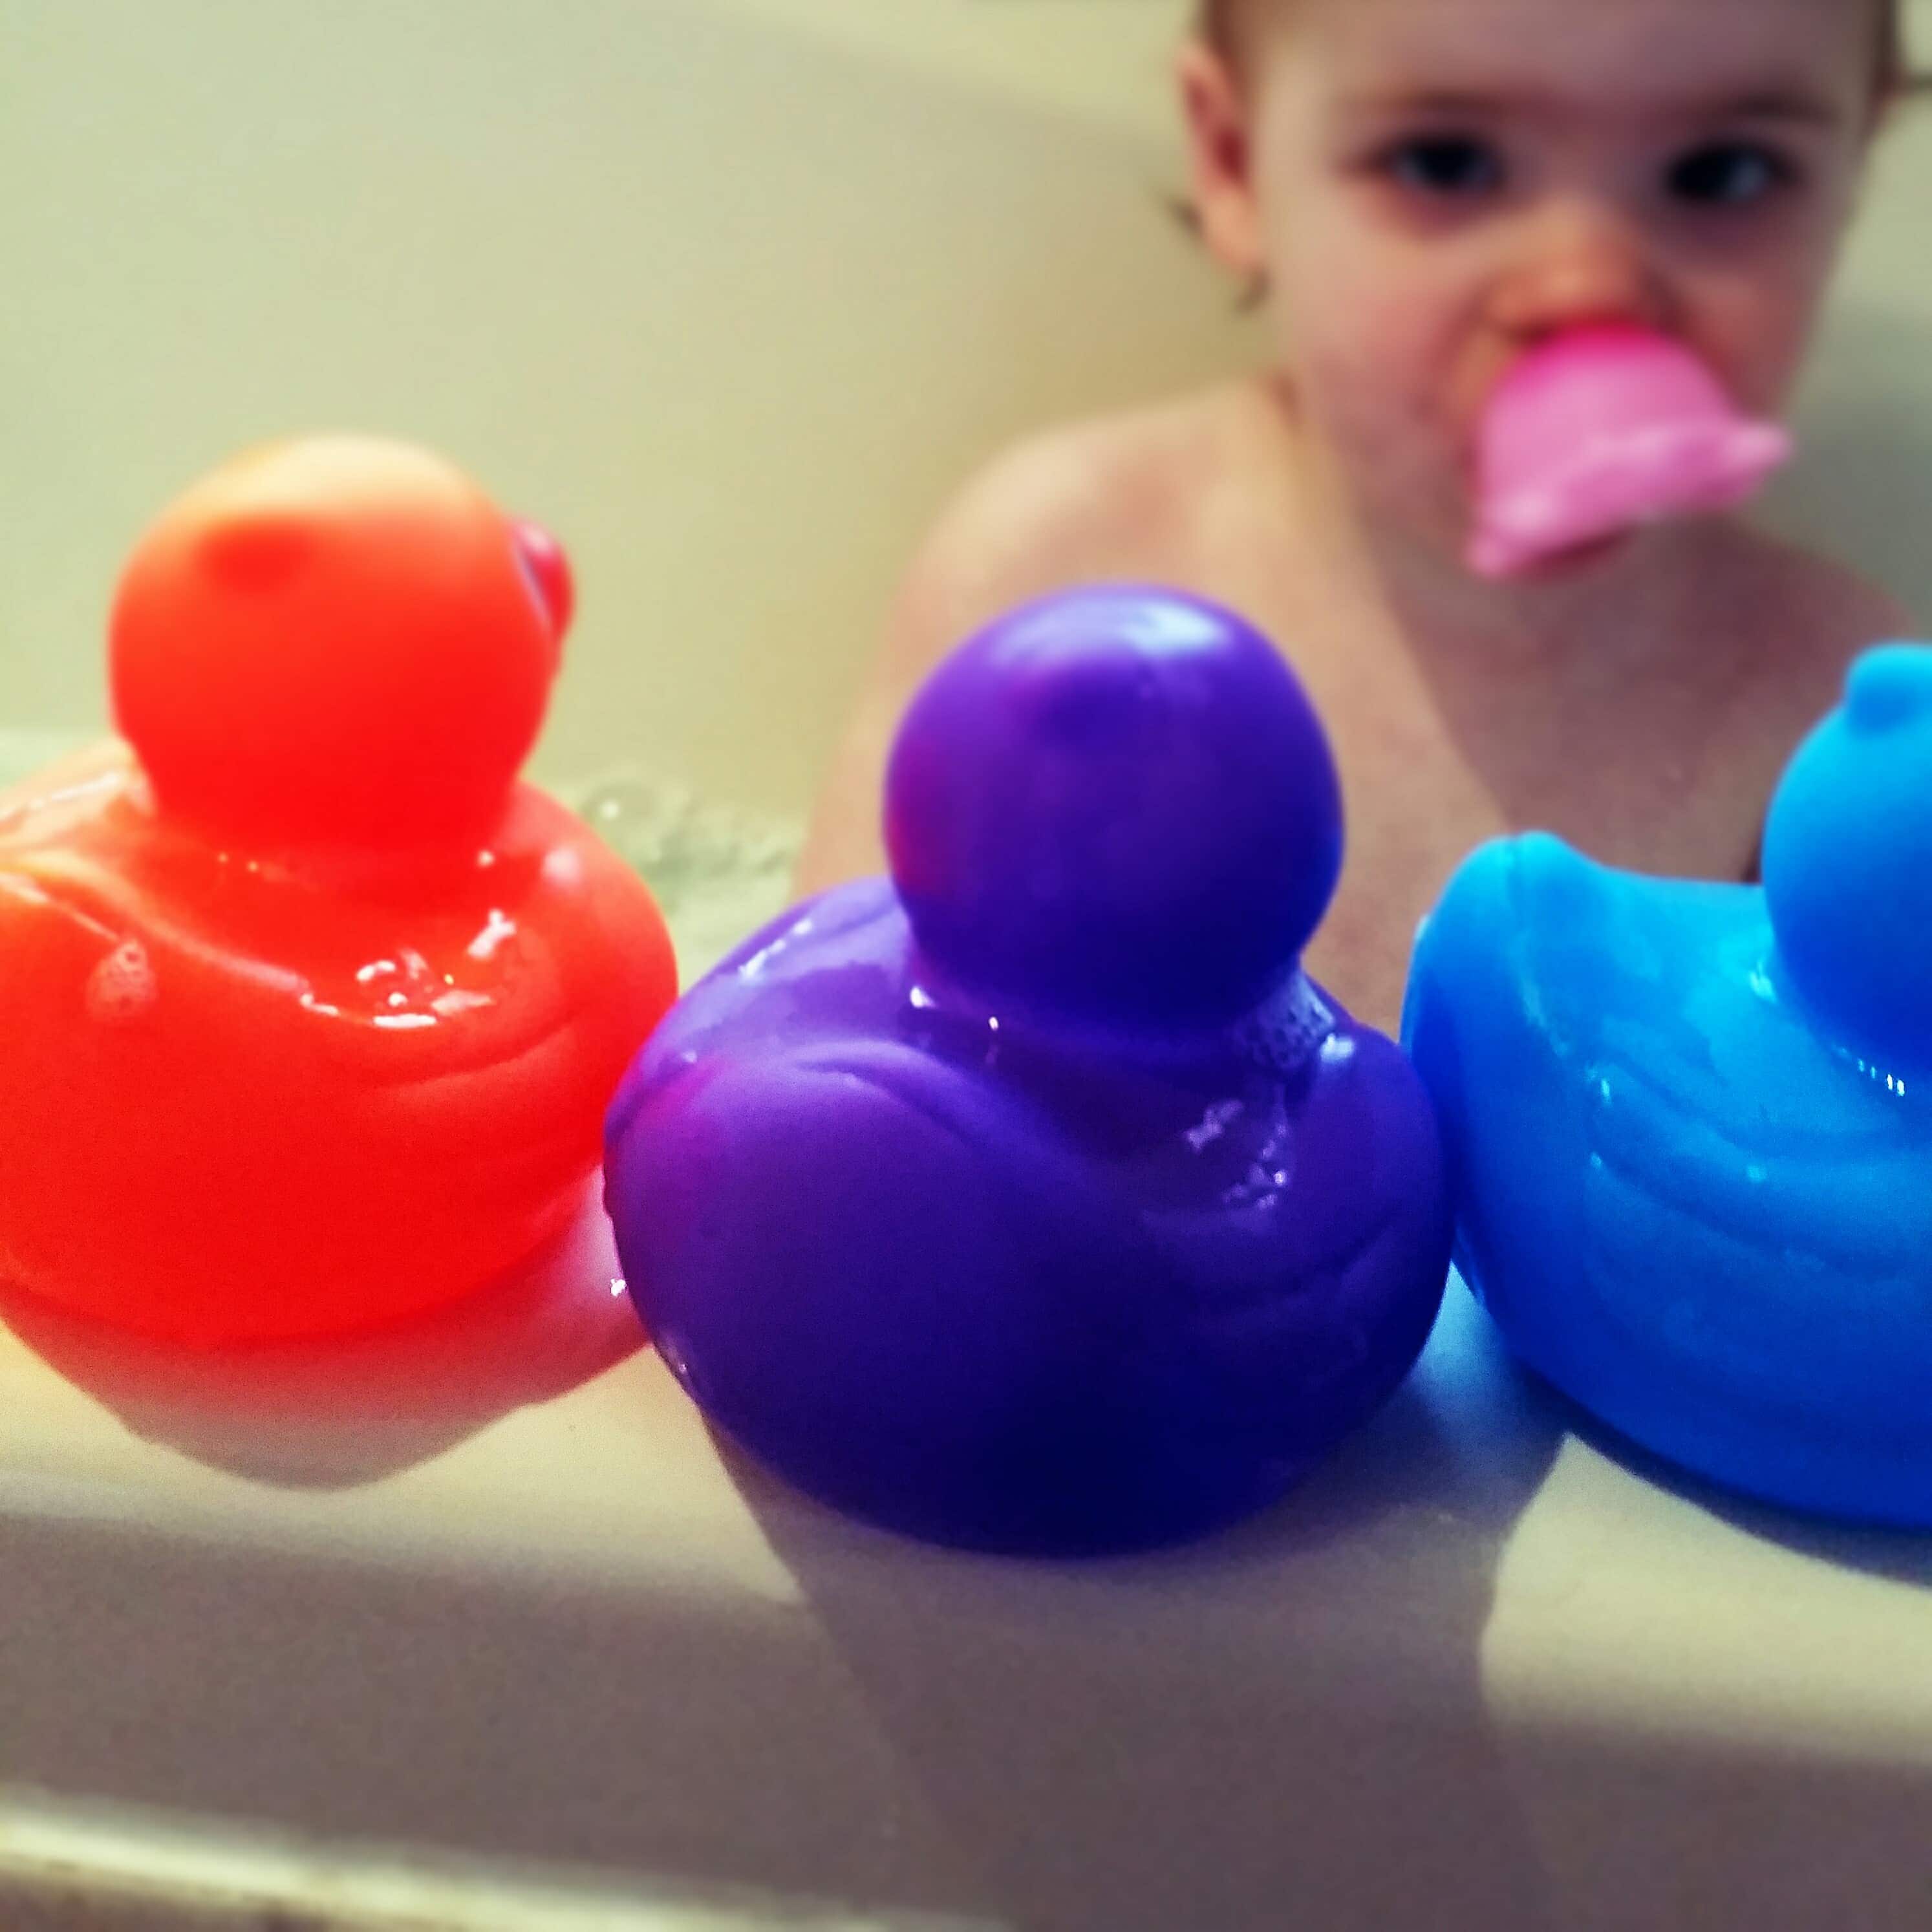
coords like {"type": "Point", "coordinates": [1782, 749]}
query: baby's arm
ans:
{"type": "Point", "coordinates": [1039, 519]}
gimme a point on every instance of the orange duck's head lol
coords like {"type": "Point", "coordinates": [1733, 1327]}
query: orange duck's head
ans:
{"type": "Point", "coordinates": [338, 640]}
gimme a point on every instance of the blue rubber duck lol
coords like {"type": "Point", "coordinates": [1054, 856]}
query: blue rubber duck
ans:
{"type": "Point", "coordinates": [1690, 1126]}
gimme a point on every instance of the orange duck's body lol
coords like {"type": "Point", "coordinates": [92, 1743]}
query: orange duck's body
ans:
{"type": "Point", "coordinates": [310, 1011]}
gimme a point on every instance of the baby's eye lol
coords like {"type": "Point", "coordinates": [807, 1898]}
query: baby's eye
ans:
{"type": "Point", "coordinates": [1728, 174]}
{"type": "Point", "coordinates": [1445, 164]}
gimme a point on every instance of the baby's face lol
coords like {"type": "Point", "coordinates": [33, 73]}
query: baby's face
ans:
{"type": "Point", "coordinates": [1432, 185]}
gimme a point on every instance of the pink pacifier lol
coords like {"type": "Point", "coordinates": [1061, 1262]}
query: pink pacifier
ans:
{"type": "Point", "coordinates": [1600, 429]}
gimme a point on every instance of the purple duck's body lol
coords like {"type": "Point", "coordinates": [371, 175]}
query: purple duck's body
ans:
{"type": "Point", "coordinates": [1034, 1199]}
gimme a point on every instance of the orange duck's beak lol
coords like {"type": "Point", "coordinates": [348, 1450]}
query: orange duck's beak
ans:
{"type": "Point", "coordinates": [548, 569]}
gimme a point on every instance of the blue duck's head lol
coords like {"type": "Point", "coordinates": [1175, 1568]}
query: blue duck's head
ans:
{"type": "Point", "coordinates": [1116, 804]}
{"type": "Point", "coordinates": [1848, 857]}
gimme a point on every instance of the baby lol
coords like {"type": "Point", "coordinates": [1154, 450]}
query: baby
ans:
{"type": "Point", "coordinates": [1419, 189]}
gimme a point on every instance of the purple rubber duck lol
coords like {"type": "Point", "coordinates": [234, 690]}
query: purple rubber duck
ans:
{"type": "Point", "coordinates": [1032, 1199]}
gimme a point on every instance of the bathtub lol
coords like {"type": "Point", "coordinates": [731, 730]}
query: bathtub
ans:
{"type": "Point", "coordinates": [731, 293]}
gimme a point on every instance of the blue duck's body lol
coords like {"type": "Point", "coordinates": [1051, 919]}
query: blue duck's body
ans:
{"type": "Point", "coordinates": [1689, 1127]}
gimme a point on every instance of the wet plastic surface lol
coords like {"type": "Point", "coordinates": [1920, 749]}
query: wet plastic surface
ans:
{"type": "Point", "coordinates": [1033, 1198]}
{"type": "Point", "coordinates": [1691, 1124]}
{"type": "Point", "coordinates": [312, 1012]}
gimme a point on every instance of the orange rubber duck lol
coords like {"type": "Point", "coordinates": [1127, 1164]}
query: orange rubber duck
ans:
{"type": "Point", "coordinates": [309, 1011]}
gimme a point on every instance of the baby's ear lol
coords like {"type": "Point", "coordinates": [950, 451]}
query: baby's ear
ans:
{"type": "Point", "coordinates": [1214, 108]}
{"type": "Point", "coordinates": [1910, 88]}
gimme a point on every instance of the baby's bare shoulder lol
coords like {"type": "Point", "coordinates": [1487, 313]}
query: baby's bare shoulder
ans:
{"type": "Point", "coordinates": [1121, 497]}
{"type": "Point", "coordinates": [1120, 500]}
{"type": "Point", "coordinates": [1827, 598]}
{"type": "Point", "coordinates": [1809, 615]}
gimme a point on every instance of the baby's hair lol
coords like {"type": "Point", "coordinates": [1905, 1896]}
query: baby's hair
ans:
{"type": "Point", "coordinates": [1216, 22]}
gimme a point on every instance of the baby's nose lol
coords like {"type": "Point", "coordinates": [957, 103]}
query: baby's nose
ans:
{"type": "Point", "coordinates": [1578, 262]}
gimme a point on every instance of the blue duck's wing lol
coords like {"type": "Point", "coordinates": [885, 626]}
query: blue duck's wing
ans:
{"type": "Point", "coordinates": [1758, 1244]}
{"type": "Point", "coordinates": [1682, 1204]}
{"type": "Point", "coordinates": [1502, 1068]}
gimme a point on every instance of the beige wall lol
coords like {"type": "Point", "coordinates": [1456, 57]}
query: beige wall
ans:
{"type": "Point", "coordinates": [729, 291]}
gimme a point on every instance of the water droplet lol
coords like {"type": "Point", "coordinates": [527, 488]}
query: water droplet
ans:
{"type": "Point", "coordinates": [679, 847]}
{"type": "Point", "coordinates": [496, 929]}
{"type": "Point", "coordinates": [122, 987]}
{"type": "Point", "coordinates": [1214, 1124]}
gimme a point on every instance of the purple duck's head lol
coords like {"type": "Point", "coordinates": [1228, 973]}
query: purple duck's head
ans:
{"type": "Point", "coordinates": [1116, 804]}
